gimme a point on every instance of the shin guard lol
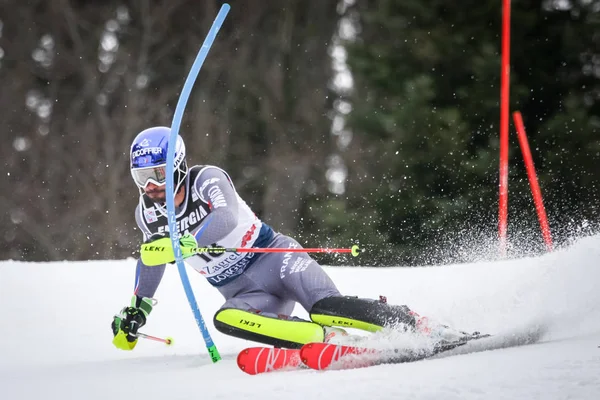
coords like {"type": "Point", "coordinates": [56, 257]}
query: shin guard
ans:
{"type": "Point", "coordinates": [365, 314]}
{"type": "Point", "coordinates": [286, 332]}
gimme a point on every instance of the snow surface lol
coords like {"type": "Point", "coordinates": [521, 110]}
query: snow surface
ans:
{"type": "Point", "coordinates": [55, 336]}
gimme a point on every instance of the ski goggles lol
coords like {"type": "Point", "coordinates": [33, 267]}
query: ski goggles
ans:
{"type": "Point", "coordinates": [155, 175]}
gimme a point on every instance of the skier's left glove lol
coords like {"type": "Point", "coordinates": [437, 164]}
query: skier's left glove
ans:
{"type": "Point", "coordinates": [125, 325]}
{"type": "Point", "coordinates": [188, 243]}
{"type": "Point", "coordinates": [158, 249]}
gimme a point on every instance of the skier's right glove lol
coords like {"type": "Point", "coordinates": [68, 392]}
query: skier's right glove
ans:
{"type": "Point", "coordinates": [125, 325]}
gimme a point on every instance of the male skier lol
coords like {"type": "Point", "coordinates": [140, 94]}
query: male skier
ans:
{"type": "Point", "coordinates": [260, 289]}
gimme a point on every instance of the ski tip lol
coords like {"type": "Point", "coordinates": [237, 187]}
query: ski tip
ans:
{"type": "Point", "coordinates": [258, 360]}
{"type": "Point", "coordinates": [242, 361]}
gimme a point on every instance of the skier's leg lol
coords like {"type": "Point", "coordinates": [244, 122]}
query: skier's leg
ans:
{"type": "Point", "coordinates": [310, 285]}
{"type": "Point", "coordinates": [374, 315]}
{"type": "Point", "coordinates": [258, 310]}
{"type": "Point", "coordinates": [366, 314]}
{"type": "Point", "coordinates": [241, 317]}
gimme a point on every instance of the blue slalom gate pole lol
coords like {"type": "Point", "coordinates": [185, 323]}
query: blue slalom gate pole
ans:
{"type": "Point", "coordinates": [175, 125]}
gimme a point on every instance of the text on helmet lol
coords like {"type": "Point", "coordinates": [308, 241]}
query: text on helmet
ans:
{"type": "Point", "coordinates": [146, 151]}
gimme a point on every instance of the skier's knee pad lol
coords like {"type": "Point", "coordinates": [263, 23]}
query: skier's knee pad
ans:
{"type": "Point", "coordinates": [366, 314]}
{"type": "Point", "coordinates": [278, 332]}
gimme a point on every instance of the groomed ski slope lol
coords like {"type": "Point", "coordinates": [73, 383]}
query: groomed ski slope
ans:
{"type": "Point", "coordinates": [55, 337]}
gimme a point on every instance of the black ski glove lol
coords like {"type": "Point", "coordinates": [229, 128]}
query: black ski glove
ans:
{"type": "Point", "coordinates": [125, 325]}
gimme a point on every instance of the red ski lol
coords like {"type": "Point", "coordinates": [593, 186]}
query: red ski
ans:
{"type": "Point", "coordinates": [322, 356]}
{"type": "Point", "coordinates": [257, 360]}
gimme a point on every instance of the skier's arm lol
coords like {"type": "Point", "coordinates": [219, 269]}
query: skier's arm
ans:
{"type": "Point", "coordinates": [214, 188]}
{"type": "Point", "coordinates": [147, 278]}
{"type": "Point", "coordinates": [126, 323]}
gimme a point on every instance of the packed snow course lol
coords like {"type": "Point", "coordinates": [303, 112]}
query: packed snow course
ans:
{"type": "Point", "coordinates": [55, 336]}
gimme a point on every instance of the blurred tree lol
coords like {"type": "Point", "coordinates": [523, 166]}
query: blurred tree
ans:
{"type": "Point", "coordinates": [82, 78]}
{"type": "Point", "coordinates": [400, 156]}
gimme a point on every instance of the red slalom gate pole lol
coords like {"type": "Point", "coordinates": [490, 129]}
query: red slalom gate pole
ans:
{"type": "Point", "coordinates": [533, 181]}
{"type": "Point", "coordinates": [504, 120]}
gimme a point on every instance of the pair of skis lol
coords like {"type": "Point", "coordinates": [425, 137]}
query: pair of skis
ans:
{"type": "Point", "coordinates": [323, 356]}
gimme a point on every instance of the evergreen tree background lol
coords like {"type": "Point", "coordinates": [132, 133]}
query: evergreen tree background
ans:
{"type": "Point", "coordinates": [426, 121]}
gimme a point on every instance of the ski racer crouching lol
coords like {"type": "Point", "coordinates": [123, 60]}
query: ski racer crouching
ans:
{"type": "Point", "coordinates": [260, 289]}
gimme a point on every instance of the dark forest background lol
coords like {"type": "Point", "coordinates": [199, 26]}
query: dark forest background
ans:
{"type": "Point", "coordinates": [368, 121]}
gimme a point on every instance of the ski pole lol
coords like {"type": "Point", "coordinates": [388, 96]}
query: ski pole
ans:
{"type": "Point", "coordinates": [160, 251]}
{"type": "Point", "coordinates": [175, 124]}
{"type": "Point", "coordinates": [354, 250]}
{"type": "Point", "coordinates": [168, 340]}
